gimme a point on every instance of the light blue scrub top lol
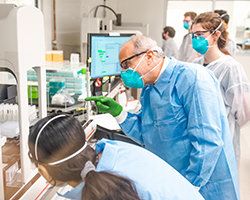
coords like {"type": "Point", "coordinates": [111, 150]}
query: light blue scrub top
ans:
{"type": "Point", "coordinates": [154, 179]}
{"type": "Point", "coordinates": [183, 121]}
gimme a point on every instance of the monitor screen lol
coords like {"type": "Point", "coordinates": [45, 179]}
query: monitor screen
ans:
{"type": "Point", "coordinates": [103, 49]}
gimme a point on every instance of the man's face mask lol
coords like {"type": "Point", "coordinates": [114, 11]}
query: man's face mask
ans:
{"type": "Point", "coordinates": [200, 44]}
{"type": "Point", "coordinates": [163, 37]}
{"type": "Point", "coordinates": [132, 78]}
{"type": "Point", "coordinates": [186, 25]}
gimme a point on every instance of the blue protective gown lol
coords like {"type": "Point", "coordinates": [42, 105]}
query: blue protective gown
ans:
{"type": "Point", "coordinates": [235, 91]}
{"type": "Point", "coordinates": [183, 121]}
{"type": "Point", "coordinates": [154, 179]}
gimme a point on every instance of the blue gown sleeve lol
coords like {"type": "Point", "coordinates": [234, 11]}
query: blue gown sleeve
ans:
{"type": "Point", "coordinates": [202, 104]}
{"type": "Point", "coordinates": [132, 127]}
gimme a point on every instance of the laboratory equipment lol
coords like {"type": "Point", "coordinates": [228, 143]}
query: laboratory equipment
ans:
{"type": "Point", "coordinates": [10, 129]}
{"type": "Point", "coordinates": [22, 48]}
{"type": "Point", "coordinates": [103, 59]}
{"type": "Point", "coordinates": [8, 93]}
{"type": "Point", "coordinates": [55, 84]}
{"type": "Point", "coordinates": [60, 75]}
{"type": "Point", "coordinates": [89, 128]}
{"type": "Point", "coordinates": [103, 49]}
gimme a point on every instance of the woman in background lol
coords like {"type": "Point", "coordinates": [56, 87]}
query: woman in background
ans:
{"type": "Point", "coordinates": [209, 38]}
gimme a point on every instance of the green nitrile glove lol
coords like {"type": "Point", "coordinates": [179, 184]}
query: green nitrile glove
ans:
{"type": "Point", "coordinates": [106, 105]}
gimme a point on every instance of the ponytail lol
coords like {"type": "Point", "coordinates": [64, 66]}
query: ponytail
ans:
{"type": "Point", "coordinates": [107, 186]}
{"type": "Point", "coordinates": [222, 42]}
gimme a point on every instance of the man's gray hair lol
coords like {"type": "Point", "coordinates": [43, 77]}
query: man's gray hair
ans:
{"type": "Point", "coordinates": [144, 43]}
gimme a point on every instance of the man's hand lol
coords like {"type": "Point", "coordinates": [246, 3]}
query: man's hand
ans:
{"type": "Point", "coordinates": [106, 105]}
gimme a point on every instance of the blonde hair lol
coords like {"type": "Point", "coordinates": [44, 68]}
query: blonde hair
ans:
{"type": "Point", "coordinates": [190, 14]}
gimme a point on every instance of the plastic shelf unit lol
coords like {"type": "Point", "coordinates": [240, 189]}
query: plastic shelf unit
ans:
{"type": "Point", "coordinates": [23, 48]}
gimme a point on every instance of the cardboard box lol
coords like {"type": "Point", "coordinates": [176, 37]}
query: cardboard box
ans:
{"type": "Point", "coordinates": [245, 46]}
{"type": "Point", "coordinates": [57, 56]}
{"type": "Point", "coordinates": [48, 56]}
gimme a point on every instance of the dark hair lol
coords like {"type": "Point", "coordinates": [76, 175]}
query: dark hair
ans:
{"type": "Point", "coordinates": [210, 21]}
{"type": "Point", "coordinates": [190, 14]}
{"type": "Point", "coordinates": [107, 186]}
{"type": "Point", "coordinates": [225, 16]}
{"type": "Point", "coordinates": [61, 138]}
{"type": "Point", "coordinates": [170, 30]}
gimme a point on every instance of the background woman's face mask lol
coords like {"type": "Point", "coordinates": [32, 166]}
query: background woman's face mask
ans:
{"type": "Point", "coordinates": [200, 44]}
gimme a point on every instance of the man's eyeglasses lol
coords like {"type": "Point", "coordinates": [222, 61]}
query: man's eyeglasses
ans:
{"type": "Point", "coordinates": [124, 63]}
{"type": "Point", "coordinates": [197, 34]}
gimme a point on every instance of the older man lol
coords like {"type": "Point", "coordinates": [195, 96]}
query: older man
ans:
{"type": "Point", "coordinates": [182, 119]}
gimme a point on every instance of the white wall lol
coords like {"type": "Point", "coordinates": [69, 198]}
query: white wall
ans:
{"type": "Point", "coordinates": [176, 11]}
{"type": "Point", "coordinates": [88, 7]}
{"type": "Point", "coordinates": [47, 10]}
{"type": "Point", "coordinates": [68, 23]}
{"type": "Point", "coordinates": [69, 14]}
{"type": "Point", "coordinates": [145, 11]}
{"type": "Point", "coordinates": [136, 11]}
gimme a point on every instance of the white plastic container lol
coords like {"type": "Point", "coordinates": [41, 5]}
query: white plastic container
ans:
{"type": "Point", "coordinates": [10, 129]}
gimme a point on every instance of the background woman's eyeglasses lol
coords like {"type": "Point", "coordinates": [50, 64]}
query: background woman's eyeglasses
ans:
{"type": "Point", "coordinates": [197, 34]}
